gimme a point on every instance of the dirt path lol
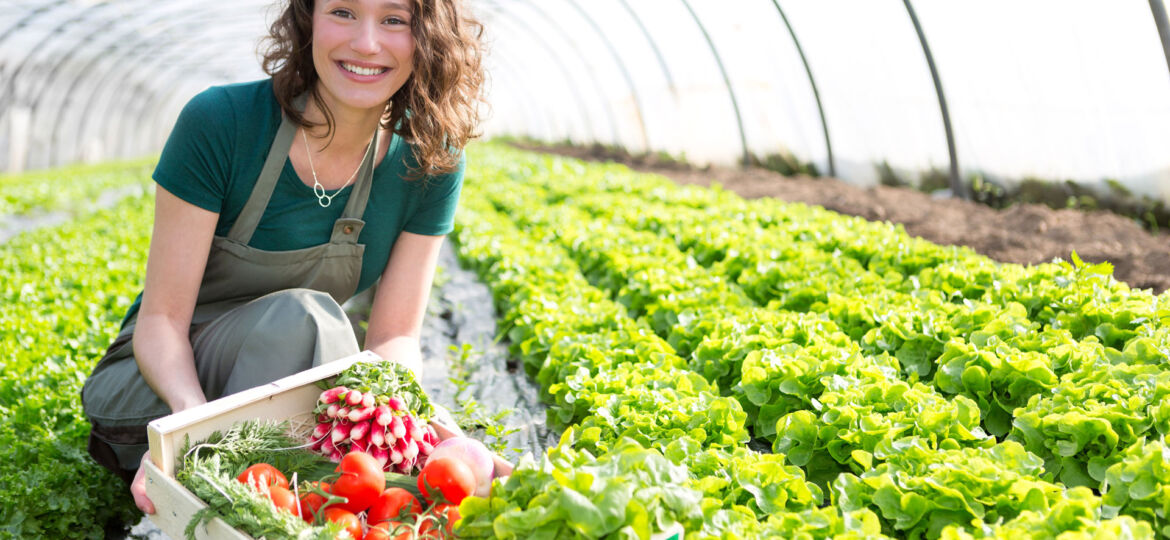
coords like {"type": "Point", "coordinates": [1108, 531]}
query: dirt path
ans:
{"type": "Point", "coordinates": [1026, 233]}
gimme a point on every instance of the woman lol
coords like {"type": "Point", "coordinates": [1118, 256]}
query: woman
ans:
{"type": "Point", "coordinates": [278, 200]}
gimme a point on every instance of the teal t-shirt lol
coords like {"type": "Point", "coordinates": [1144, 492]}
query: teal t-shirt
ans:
{"type": "Point", "coordinates": [217, 148]}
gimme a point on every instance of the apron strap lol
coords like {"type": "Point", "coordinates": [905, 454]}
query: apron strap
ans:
{"type": "Point", "coordinates": [249, 217]}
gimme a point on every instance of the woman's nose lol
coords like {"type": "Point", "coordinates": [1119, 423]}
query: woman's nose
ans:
{"type": "Point", "coordinates": [365, 39]}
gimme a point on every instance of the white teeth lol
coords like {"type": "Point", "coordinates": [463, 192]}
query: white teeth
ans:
{"type": "Point", "coordinates": [361, 70]}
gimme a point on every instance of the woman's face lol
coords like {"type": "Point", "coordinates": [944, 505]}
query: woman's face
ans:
{"type": "Point", "coordinates": [362, 51]}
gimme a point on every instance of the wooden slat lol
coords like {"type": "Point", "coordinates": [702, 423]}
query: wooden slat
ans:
{"type": "Point", "coordinates": [176, 505]}
{"type": "Point", "coordinates": [279, 400]}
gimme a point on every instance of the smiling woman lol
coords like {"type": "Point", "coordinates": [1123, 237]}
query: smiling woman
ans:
{"type": "Point", "coordinates": [250, 260]}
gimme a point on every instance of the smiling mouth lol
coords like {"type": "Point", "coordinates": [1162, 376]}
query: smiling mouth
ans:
{"type": "Point", "coordinates": [358, 70]}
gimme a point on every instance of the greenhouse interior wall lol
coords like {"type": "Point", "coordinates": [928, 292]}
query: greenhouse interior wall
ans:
{"type": "Point", "coordinates": [1057, 91]}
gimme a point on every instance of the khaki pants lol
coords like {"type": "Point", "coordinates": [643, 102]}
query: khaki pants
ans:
{"type": "Point", "coordinates": [254, 344]}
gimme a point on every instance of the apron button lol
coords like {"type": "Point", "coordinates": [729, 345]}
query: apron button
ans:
{"type": "Point", "coordinates": [348, 229]}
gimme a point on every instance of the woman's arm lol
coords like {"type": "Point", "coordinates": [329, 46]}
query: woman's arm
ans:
{"type": "Point", "coordinates": [162, 346]}
{"type": "Point", "coordinates": [399, 307]}
{"type": "Point", "coordinates": [400, 303]}
{"type": "Point", "coordinates": [174, 268]}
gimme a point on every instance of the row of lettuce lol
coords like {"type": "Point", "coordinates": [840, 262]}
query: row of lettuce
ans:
{"type": "Point", "coordinates": [906, 388]}
{"type": "Point", "coordinates": [62, 295]}
{"type": "Point", "coordinates": [76, 188]}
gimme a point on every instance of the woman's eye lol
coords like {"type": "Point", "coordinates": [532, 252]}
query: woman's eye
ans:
{"type": "Point", "coordinates": [341, 13]}
{"type": "Point", "coordinates": [396, 20]}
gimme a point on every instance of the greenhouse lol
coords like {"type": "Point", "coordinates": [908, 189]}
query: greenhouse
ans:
{"type": "Point", "coordinates": [603, 269]}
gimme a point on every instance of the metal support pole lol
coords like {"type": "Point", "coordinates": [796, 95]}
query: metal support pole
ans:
{"type": "Point", "coordinates": [1163, 23]}
{"type": "Point", "coordinates": [528, 31]}
{"type": "Point", "coordinates": [957, 187]}
{"type": "Point", "coordinates": [653, 46]}
{"type": "Point", "coordinates": [747, 159]}
{"type": "Point", "coordinates": [621, 64]}
{"type": "Point", "coordinates": [813, 83]}
{"type": "Point", "coordinates": [536, 6]}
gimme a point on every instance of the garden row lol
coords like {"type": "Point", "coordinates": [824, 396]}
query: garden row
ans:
{"type": "Point", "coordinates": [1073, 400]}
{"type": "Point", "coordinates": [73, 188]}
{"type": "Point", "coordinates": [913, 454]}
{"type": "Point", "coordinates": [62, 296]}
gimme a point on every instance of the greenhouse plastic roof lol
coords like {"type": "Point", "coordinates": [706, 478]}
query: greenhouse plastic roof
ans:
{"type": "Point", "coordinates": [1052, 90]}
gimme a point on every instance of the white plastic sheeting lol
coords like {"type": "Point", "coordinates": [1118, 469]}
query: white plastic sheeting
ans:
{"type": "Point", "coordinates": [1051, 89]}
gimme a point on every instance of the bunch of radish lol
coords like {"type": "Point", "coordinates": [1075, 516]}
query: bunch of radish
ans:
{"type": "Point", "coordinates": [376, 408]}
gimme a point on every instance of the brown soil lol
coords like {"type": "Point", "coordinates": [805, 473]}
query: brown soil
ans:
{"type": "Point", "coordinates": [1024, 233]}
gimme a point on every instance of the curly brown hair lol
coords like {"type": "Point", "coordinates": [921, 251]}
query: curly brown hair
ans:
{"type": "Point", "coordinates": [436, 111]}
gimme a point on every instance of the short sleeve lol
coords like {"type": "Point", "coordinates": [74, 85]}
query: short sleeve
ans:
{"type": "Point", "coordinates": [195, 163]}
{"type": "Point", "coordinates": [435, 214]}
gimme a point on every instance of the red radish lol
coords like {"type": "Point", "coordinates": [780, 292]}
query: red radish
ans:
{"type": "Point", "coordinates": [342, 412]}
{"type": "Point", "coordinates": [396, 403]}
{"type": "Point", "coordinates": [361, 415]}
{"type": "Point", "coordinates": [397, 427]}
{"type": "Point", "coordinates": [411, 451]}
{"type": "Point", "coordinates": [331, 395]}
{"type": "Point", "coordinates": [332, 410]}
{"type": "Point", "coordinates": [424, 448]}
{"type": "Point", "coordinates": [369, 399]}
{"type": "Point", "coordinates": [341, 431]}
{"type": "Point", "coordinates": [354, 398]}
{"type": "Point", "coordinates": [383, 414]}
{"type": "Point", "coordinates": [382, 455]}
{"type": "Point", "coordinates": [320, 434]}
{"type": "Point", "coordinates": [378, 435]}
{"type": "Point", "coordinates": [411, 424]}
{"type": "Point", "coordinates": [327, 447]}
{"type": "Point", "coordinates": [359, 431]}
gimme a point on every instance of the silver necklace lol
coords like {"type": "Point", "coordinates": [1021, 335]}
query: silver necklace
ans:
{"type": "Point", "coordinates": [324, 198]}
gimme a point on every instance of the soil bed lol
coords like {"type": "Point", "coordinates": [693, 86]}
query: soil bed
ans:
{"type": "Point", "coordinates": [1023, 233]}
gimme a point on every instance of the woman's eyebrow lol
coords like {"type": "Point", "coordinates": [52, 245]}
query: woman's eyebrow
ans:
{"type": "Point", "coordinates": [390, 4]}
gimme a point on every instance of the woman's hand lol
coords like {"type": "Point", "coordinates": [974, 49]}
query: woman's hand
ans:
{"type": "Point", "coordinates": [138, 488]}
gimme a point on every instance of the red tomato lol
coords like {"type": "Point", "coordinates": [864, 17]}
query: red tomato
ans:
{"type": "Point", "coordinates": [442, 516]}
{"type": "Point", "coordinates": [394, 504]}
{"type": "Point", "coordinates": [311, 502]}
{"type": "Point", "coordinates": [263, 474]}
{"type": "Point", "coordinates": [361, 481]}
{"type": "Point", "coordinates": [346, 518]}
{"type": "Point", "coordinates": [283, 499]}
{"type": "Point", "coordinates": [450, 480]}
{"type": "Point", "coordinates": [390, 530]}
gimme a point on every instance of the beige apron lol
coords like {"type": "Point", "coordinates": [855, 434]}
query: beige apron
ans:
{"type": "Point", "coordinates": [117, 399]}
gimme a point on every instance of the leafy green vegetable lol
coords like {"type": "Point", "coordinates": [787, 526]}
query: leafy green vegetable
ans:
{"type": "Point", "coordinates": [1076, 516]}
{"type": "Point", "coordinates": [628, 493]}
{"type": "Point", "coordinates": [1093, 415]}
{"type": "Point", "coordinates": [390, 379]}
{"type": "Point", "coordinates": [209, 469]}
{"type": "Point", "coordinates": [1138, 484]}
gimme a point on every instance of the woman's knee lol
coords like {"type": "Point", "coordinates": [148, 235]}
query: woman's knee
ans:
{"type": "Point", "coordinates": [308, 313]}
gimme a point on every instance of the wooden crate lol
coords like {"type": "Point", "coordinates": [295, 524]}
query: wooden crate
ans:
{"type": "Point", "coordinates": [279, 400]}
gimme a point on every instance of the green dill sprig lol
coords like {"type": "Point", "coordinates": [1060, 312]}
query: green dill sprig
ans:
{"type": "Point", "coordinates": [209, 469]}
